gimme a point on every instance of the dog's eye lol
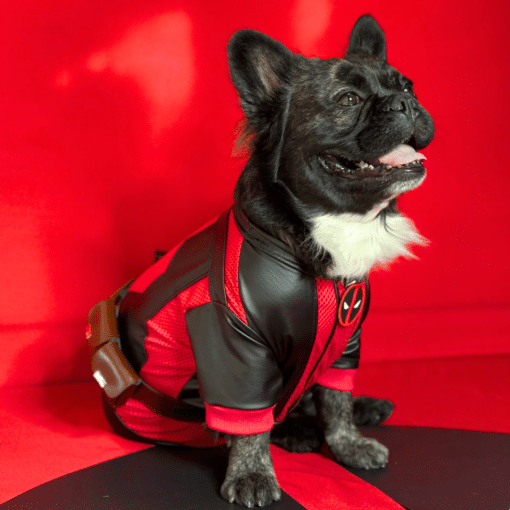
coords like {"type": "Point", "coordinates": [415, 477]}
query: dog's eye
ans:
{"type": "Point", "coordinates": [349, 99]}
{"type": "Point", "coordinates": [408, 87]}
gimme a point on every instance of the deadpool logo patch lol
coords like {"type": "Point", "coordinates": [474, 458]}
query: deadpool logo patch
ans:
{"type": "Point", "coordinates": [352, 303]}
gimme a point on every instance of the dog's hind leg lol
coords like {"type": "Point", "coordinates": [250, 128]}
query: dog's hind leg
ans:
{"type": "Point", "coordinates": [369, 411]}
{"type": "Point", "coordinates": [250, 478]}
{"type": "Point", "coordinates": [335, 412]}
{"type": "Point", "coordinates": [299, 432]}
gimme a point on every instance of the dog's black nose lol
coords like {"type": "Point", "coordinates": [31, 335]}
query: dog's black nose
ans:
{"type": "Point", "coordinates": [399, 103]}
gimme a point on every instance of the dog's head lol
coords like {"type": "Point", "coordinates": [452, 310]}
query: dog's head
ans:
{"type": "Point", "coordinates": [339, 135]}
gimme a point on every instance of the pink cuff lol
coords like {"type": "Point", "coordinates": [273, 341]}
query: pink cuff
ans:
{"type": "Point", "coordinates": [238, 421]}
{"type": "Point", "coordinates": [338, 379]}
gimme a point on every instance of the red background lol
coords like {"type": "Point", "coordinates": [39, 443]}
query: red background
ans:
{"type": "Point", "coordinates": [116, 130]}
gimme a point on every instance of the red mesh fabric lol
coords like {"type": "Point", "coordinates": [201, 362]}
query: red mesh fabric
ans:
{"type": "Point", "coordinates": [318, 364]}
{"type": "Point", "coordinates": [340, 337]}
{"type": "Point", "coordinates": [234, 244]}
{"type": "Point", "coordinates": [152, 426]}
{"type": "Point", "coordinates": [170, 362]}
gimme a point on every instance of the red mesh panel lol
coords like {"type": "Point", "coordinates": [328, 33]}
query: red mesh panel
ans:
{"type": "Point", "coordinates": [145, 423]}
{"type": "Point", "coordinates": [170, 362]}
{"type": "Point", "coordinates": [327, 312]}
{"type": "Point", "coordinates": [338, 342]}
{"type": "Point", "coordinates": [234, 243]}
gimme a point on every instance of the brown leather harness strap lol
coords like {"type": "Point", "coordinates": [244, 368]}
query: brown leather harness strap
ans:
{"type": "Point", "coordinates": [114, 373]}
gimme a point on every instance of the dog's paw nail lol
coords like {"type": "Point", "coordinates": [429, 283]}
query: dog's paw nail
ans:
{"type": "Point", "coordinates": [253, 489]}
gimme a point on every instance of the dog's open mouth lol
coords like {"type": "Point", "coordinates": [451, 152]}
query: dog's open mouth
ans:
{"type": "Point", "coordinates": [403, 157]}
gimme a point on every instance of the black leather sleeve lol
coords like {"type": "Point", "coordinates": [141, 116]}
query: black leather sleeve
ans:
{"type": "Point", "coordinates": [235, 368]}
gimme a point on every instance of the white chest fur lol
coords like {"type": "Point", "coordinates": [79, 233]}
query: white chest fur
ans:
{"type": "Point", "coordinates": [359, 242]}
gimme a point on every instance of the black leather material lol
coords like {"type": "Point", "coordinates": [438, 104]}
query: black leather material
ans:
{"type": "Point", "coordinates": [189, 265]}
{"type": "Point", "coordinates": [240, 370]}
{"type": "Point", "coordinates": [190, 393]}
{"type": "Point", "coordinates": [350, 357]}
{"type": "Point", "coordinates": [280, 301]}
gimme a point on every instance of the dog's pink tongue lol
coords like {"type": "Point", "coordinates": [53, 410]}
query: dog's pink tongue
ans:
{"type": "Point", "coordinates": [400, 156]}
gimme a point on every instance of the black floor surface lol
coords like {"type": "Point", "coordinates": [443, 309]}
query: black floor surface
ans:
{"type": "Point", "coordinates": [429, 469]}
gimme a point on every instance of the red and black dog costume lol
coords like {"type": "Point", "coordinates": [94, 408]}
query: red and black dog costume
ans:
{"type": "Point", "coordinates": [230, 321]}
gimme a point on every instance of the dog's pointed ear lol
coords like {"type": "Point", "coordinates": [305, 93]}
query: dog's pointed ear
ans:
{"type": "Point", "coordinates": [259, 68]}
{"type": "Point", "coordinates": [367, 37]}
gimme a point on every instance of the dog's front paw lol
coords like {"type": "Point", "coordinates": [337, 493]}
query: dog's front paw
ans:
{"type": "Point", "coordinates": [359, 452]}
{"type": "Point", "coordinates": [252, 489]}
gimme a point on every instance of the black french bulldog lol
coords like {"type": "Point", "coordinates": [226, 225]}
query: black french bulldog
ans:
{"type": "Point", "coordinates": [333, 143]}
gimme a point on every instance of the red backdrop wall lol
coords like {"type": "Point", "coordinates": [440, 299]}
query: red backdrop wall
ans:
{"type": "Point", "coordinates": [116, 130]}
